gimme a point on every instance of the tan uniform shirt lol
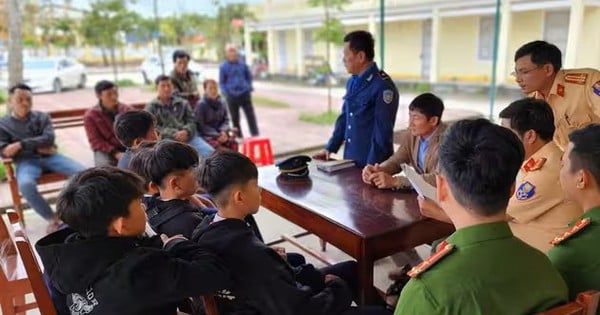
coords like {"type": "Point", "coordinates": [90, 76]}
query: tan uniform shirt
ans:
{"type": "Point", "coordinates": [407, 153]}
{"type": "Point", "coordinates": [575, 101]}
{"type": "Point", "coordinates": [539, 209]}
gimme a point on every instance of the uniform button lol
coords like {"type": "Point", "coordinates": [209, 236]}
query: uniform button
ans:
{"type": "Point", "coordinates": [349, 126]}
{"type": "Point", "coordinates": [349, 140]}
{"type": "Point", "coordinates": [351, 114]}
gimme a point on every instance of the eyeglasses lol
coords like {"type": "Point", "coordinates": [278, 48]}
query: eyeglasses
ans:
{"type": "Point", "coordinates": [520, 73]}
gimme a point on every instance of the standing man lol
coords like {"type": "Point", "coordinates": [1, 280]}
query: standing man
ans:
{"type": "Point", "coordinates": [27, 137]}
{"type": "Point", "coordinates": [184, 80]}
{"type": "Point", "coordinates": [481, 268]}
{"type": "Point", "coordinates": [235, 80]}
{"type": "Point", "coordinates": [573, 94]}
{"type": "Point", "coordinates": [366, 123]}
{"type": "Point", "coordinates": [98, 123]}
{"type": "Point", "coordinates": [174, 117]}
{"type": "Point", "coordinates": [573, 252]}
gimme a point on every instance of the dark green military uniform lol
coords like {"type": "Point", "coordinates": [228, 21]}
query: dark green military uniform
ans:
{"type": "Point", "coordinates": [577, 257]}
{"type": "Point", "coordinates": [488, 271]}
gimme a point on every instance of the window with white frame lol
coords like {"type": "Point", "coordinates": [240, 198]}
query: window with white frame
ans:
{"type": "Point", "coordinates": [556, 28]}
{"type": "Point", "coordinates": [485, 41]}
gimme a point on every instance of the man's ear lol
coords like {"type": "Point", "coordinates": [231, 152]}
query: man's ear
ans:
{"type": "Point", "coordinates": [172, 182]}
{"type": "Point", "coordinates": [136, 142]}
{"type": "Point", "coordinates": [584, 179]}
{"type": "Point", "coordinates": [116, 227]}
{"type": "Point", "coordinates": [441, 188]}
{"type": "Point", "coordinates": [530, 136]}
{"type": "Point", "coordinates": [434, 120]}
{"type": "Point", "coordinates": [549, 69]}
{"type": "Point", "coordinates": [153, 188]}
{"type": "Point", "coordinates": [237, 196]}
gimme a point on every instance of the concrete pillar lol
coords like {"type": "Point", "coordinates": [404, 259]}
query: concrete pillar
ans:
{"type": "Point", "coordinates": [248, 45]}
{"type": "Point", "coordinates": [374, 30]}
{"type": "Point", "coordinates": [299, 51]}
{"type": "Point", "coordinates": [271, 57]}
{"type": "Point", "coordinates": [575, 25]}
{"type": "Point", "coordinates": [503, 65]}
{"type": "Point", "coordinates": [435, 41]}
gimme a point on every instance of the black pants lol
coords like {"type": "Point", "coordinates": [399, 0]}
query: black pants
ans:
{"type": "Point", "coordinates": [245, 102]}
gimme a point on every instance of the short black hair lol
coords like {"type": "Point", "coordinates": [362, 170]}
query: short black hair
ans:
{"type": "Point", "coordinates": [530, 114]}
{"type": "Point", "coordinates": [160, 78]}
{"type": "Point", "coordinates": [103, 85]}
{"type": "Point", "coordinates": [541, 53]}
{"type": "Point", "coordinates": [95, 197]}
{"type": "Point", "coordinates": [170, 156]}
{"type": "Point", "coordinates": [480, 161]}
{"type": "Point", "coordinates": [179, 53]}
{"type": "Point", "coordinates": [19, 86]}
{"type": "Point", "coordinates": [586, 150]}
{"type": "Point", "coordinates": [132, 125]}
{"type": "Point", "coordinates": [428, 105]}
{"type": "Point", "coordinates": [361, 41]}
{"type": "Point", "coordinates": [224, 169]}
{"type": "Point", "coordinates": [139, 160]}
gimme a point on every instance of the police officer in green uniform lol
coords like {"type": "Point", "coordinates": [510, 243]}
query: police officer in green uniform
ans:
{"type": "Point", "coordinates": [575, 252]}
{"type": "Point", "coordinates": [481, 268]}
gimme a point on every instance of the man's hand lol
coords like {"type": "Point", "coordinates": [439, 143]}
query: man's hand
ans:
{"type": "Point", "coordinates": [369, 170]}
{"type": "Point", "coordinates": [281, 251]}
{"type": "Point", "coordinates": [49, 150]}
{"type": "Point", "coordinates": [430, 209]}
{"type": "Point", "coordinates": [222, 137]}
{"type": "Point", "coordinates": [383, 180]}
{"type": "Point", "coordinates": [12, 149]}
{"type": "Point", "coordinates": [118, 155]}
{"type": "Point", "coordinates": [329, 278]}
{"type": "Point", "coordinates": [321, 155]}
{"type": "Point", "coordinates": [181, 136]}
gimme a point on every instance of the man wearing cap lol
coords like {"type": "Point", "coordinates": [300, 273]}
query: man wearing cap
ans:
{"type": "Point", "coordinates": [573, 94]}
{"type": "Point", "coordinates": [366, 124]}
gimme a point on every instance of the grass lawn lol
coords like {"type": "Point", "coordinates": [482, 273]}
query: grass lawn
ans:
{"type": "Point", "coordinates": [323, 118]}
{"type": "Point", "coordinates": [260, 101]}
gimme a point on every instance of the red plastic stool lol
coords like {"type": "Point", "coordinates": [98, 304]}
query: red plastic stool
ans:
{"type": "Point", "coordinates": [258, 149]}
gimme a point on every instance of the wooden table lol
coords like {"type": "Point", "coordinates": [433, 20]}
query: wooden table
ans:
{"type": "Point", "coordinates": [361, 220]}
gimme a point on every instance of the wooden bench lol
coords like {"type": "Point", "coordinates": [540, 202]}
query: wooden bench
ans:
{"type": "Point", "coordinates": [14, 284]}
{"type": "Point", "coordinates": [586, 303]}
{"type": "Point", "coordinates": [61, 119]}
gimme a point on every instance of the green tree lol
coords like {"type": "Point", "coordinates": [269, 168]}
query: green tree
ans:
{"type": "Point", "coordinates": [103, 25]}
{"type": "Point", "coordinates": [222, 32]}
{"type": "Point", "coordinates": [331, 32]}
{"type": "Point", "coordinates": [63, 33]}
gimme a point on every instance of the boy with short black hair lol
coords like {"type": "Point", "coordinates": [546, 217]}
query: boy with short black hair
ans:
{"type": "Point", "coordinates": [264, 283]}
{"type": "Point", "coordinates": [101, 264]}
{"type": "Point", "coordinates": [131, 128]}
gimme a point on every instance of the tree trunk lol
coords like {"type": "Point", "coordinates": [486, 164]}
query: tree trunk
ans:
{"type": "Point", "coordinates": [104, 58]}
{"type": "Point", "coordinates": [328, 52]}
{"type": "Point", "coordinates": [113, 61]}
{"type": "Point", "coordinates": [15, 46]}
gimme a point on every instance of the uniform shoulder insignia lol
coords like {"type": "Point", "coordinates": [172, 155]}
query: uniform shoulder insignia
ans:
{"type": "Point", "coordinates": [383, 75]}
{"type": "Point", "coordinates": [525, 191]}
{"type": "Point", "coordinates": [560, 90]}
{"type": "Point", "coordinates": [576, 228]}
{"type": "Point", "coordinates": [596, 88]}
{"type": "Point", "coordinates": [443, 250]}
{"type": "Point", "coordinates": [576, 78]}
{"type": "Point", "coordinates": [534, 164]}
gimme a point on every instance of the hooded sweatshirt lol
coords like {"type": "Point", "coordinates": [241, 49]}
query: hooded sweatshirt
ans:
{"type": "Point", "coordinates": [263, 282]}
{"type": "Point", "coordinates": [127, 275]}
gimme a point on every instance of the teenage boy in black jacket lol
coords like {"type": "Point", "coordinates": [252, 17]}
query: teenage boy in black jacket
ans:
{"type": "Point", "coordinates": [101, 264]}
{"type": "Point", "coordinates": [263, 282]}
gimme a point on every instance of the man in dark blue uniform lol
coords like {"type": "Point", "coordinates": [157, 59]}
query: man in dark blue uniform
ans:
{"type": "Point", "coordinates": [366, 123]}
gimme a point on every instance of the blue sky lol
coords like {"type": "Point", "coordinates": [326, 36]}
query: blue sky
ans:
{"type": "Point", "coordinates": [170, 7]}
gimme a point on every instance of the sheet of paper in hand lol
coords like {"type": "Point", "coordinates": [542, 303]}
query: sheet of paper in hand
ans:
{"type": "Point", "coordinates": [334, 165]}
{"type": "Point", "coordinates": [422, 187]}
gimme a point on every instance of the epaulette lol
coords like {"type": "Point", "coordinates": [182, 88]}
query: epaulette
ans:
{"type": "Point", "coordinates": [443, 250]}
{"type": "Point", "coordinates": [576, 228]}
{"type": "Point", "coordinates": [383, 75]}
{"type": "Point", "coordinates": [534, 165]}
{"type": "Point", "coordinates": [576, 78]}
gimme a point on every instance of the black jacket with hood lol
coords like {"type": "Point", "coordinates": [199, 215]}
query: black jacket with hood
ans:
{"type": "Point", "coordinates": [127, 275]}
{"type": "Point", "coordinates": [263, 283]}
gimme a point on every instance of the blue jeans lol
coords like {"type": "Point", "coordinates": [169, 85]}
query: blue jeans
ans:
{"type": "Point", "coordinates": [29, 171]}
{"type": "Point", "coordinates": [202, 147]}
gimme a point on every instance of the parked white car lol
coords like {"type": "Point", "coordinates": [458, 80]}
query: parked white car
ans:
{"type": "Point", "coordinates": [151, 69]}
{"type": "Point", "coordinates": [53, 74]}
